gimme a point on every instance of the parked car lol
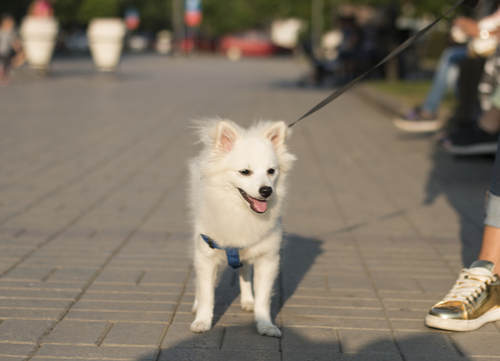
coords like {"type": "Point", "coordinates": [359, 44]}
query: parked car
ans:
{"type": "Point", "coordinates": [76, 41]}
{"type": "Point", "coordinates": [248, 43]}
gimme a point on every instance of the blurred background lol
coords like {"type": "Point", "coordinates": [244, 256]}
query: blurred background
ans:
{"type": "Point", "coordinates": [240, 28]}
{"type": "Point", "coordinates": [437, 78]}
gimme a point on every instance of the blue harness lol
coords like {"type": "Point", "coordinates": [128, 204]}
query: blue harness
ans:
{"type": "Point", "coordinates": [233, 254]}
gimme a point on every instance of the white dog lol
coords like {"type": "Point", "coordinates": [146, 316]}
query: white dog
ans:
{"type": "Point", "coordinates": [236, 196]}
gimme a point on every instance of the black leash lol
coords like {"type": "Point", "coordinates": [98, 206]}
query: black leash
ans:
{"type": "Point", "coordinates": [399, 49]}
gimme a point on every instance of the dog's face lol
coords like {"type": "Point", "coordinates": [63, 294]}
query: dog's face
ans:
{"type": "Point", "coordinates": [252, 162]}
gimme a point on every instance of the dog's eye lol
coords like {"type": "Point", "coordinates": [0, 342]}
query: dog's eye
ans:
{"type": "Point", "coordinates": [270, 171]}
{"type": "Point", "coordinates": [246, 172]}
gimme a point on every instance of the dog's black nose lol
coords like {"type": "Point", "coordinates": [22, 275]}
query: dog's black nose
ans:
{"type": "Point", "coordinates": [265, 191]}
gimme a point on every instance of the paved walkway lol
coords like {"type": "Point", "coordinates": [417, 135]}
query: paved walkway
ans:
{"type": "Point", "coordinates": [94, 244]}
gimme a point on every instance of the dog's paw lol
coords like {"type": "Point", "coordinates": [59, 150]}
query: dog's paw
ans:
{"type": "Point", "coordinates": [201, 326]}
{"type": "Point", "coordinates": [268, 330]}
{"type": "Point", "coordinates": [247, 305]}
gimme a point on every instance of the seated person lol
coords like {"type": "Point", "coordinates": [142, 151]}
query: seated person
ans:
{"type": "Point", "coordinates": [471, 58]}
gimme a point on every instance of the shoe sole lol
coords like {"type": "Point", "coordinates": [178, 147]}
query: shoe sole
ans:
{"type": "Point", "coordinates": [418, 126]}
{"type": "Point", "coordinates": [485, 148]}
{"type": "Point", "coordinates": [462, 325]}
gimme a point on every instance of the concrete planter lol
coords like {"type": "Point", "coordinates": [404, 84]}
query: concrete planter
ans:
{"type": "Point", "coordinates": [38, 36]}
{"type": "Point", "coordinates": [106, 42]}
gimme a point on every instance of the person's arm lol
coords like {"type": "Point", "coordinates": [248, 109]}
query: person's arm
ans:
{"type": "Point", "coordinates": [468, 25]}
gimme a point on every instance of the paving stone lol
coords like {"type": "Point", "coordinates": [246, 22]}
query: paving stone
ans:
{"type": "Point", "coordinates": [216, 355]}
{"type": "Point", "coordinates": [37, 314]}
{"type": "Point", "coordinates": [239, 338]}
{"type": "Point", "coordinates": [180, 336]}
{"type": "Point", "coordinates": [78, 333]}
{"type": "Point", "coordinates": [333, 311]}
{"type": "Point", "coordinates": [164, 277]}
{"type": "Point", "coordinates": [23, 330]}
{"type": "Point", "coordinates": [337, 322]}
{"type": "Point", "coordinates": [118, 276]}
{"type": "Point", "coordinates": [332, 302]}
{"type": "Point", "coordinates": [425, 343]}
{"type": "Point", "coordinates": [413, 304]}
{"type": "Point", "coordinates": [73, 286]}
{"type": "Point", "coordinates": [94, 352]}
{"type": "Point", "coordinates": [361, 341]}
{"type": "Point", "coordinates": [476, 344]}
{"type": "Point", "coordinates": [34, 303]}
{"type": "Point", "coordinates": [406, 313]}
{"type": "Point", "coordinates": [16, 349]}
{"type": "Point", "coordinates": [135, 334]}
{"type": "Point", "coordinates": [72, 275]}
{"type": "Point", "coordinates": [119, 316]}
{"type": "Point", "coordinates": [437, 357]}
{"type": "Point", "coordinates": [38, 294]}
{"type": "Point", "coordinates": [326, 355]}
{"type": "Point", "coordinates": [300, 338]}
{"type": "Point", "coordinates": [334, 293]}
{"type": "Point", "coordinates": [137, 297]}
{"type": "Point", "coordinates": [129, 289]}
{"type": "Point", "coordinates": [242, 320]}
{"type": "Point", "coordinates": [28, 274]}
{"type": "Point", "coordinates": [123, 305]}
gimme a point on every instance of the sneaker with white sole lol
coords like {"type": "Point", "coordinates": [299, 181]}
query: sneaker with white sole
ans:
{"type": "Point", "coordinates": [415, 121]}
{"type": "Point", "coordinates": [473, 301]}
{"type": "Point", "coordinates": [470, 140]}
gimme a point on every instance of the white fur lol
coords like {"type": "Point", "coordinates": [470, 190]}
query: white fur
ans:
{"type": "Point", "coordinates": [219, 211]}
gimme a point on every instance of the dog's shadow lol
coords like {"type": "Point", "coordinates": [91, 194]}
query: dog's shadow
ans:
{"type": "Point", "coordinates": [297, 256]}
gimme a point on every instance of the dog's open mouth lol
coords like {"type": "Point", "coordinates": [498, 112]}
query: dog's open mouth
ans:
{"type": "Point", "coordinates": [256, 205]}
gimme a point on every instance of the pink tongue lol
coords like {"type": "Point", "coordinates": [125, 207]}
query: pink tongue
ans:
{"type": "Point", "coordinates": [260, 206]}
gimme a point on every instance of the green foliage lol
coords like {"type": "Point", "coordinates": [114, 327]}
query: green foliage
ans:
{"type": "Point", "coordinates": [66, 11]}
{"type": "Point", "coordinates": [219, 16]}
{"type": "Point", "coordinates": [16, 8]}
{"type": "Point", "coordinates": [435, 7]}
{"type": "Point", "coordinates": [155, 14]}
{"type": "Point", "coordinates": [98, 9]}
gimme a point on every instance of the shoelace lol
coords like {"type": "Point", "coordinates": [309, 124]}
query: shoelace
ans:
{"type": "Point", "coordinates": [468, 286]}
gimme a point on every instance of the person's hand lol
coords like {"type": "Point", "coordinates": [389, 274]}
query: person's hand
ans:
{"type": "Point", "coordinates": [468, 25]}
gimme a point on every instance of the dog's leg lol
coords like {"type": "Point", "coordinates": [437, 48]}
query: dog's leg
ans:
{"type": "Point", "coordinates": [246, 287]}
{"type": "Point", "coordinates": [195, 304]}
{"type": "Point", "coordinates": [206, 273]}
{"type": "Point", "coordinates": [265, 272]}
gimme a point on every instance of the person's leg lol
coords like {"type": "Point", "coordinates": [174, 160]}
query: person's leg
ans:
{"type": "Point", "coordinates": [450, 57]}
{"type": "Point", "coordinates": [424, 117]}
{"type": "Point", "coordinates": [471, 71]}
{"type": "Point", "coordinates": [475, 298]}
{"type": "Point", "coordinates": [4, 70]}
{"type": "Point", "coordinates": [490, 248]}
{"type": "Point", "coordinates": [480, 138]}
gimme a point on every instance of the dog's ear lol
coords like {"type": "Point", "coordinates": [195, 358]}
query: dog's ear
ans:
{"type": "Point", "coordinates": [225, 136]}
{"type": "Point", "coordinates": [277, 133]}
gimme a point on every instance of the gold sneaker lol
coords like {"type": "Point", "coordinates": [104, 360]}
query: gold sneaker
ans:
{"type": "Point", "coordinates": [473, 301]}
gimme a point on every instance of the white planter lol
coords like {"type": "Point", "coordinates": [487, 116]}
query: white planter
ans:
{"type": "Point", "coordinates": [105, 38]}
{"type": "Point", "coordinates": [38, 36]}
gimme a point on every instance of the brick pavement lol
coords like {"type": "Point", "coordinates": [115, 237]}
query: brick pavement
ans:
{"type": "Point", "coordinates": [94, 244]}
